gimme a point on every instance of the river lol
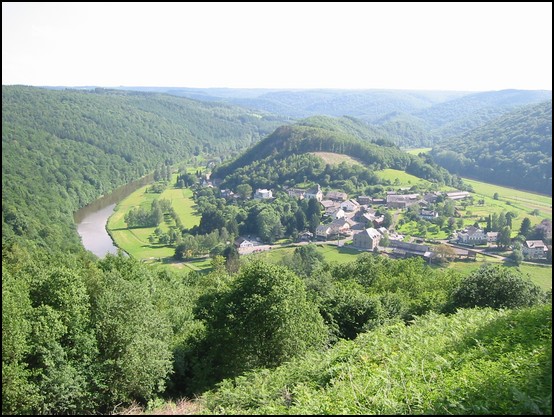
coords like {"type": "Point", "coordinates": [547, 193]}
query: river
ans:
{"type": "Point", "coordinates": [91, 220]}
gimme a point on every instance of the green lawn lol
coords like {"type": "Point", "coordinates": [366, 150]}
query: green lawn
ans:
{"type": "Point", "coordinates": [404, 178]}
{"type": "Point", "coordinates": [540, 275]}
{"type": "Point", "coordinates": [135, 241]}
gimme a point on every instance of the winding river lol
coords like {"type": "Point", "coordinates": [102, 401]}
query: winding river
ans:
{"type": "Point", "coordinates": [91, 220]}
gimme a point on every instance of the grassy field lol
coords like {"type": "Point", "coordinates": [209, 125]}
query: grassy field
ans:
{"type": "Point", "coordinates": [135, 241]}
{"type": "Point", "coordinates": [336, 158]}
{"type": "Point", "coordinates": [404, 178]}
{"type": "Point", "coordinates": [540, 275]}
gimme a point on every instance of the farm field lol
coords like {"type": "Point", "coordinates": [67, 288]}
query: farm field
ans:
{"type": "Point", "coordinates": [417, 151]}
{"type": "Point", "coordinates": [336, 158]}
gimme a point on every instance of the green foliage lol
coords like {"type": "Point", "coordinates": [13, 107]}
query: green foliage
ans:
{"type": "Point", "coordinates": [281, 157]}
{"type": "Point", "coordinates": [61, 149]}
{"type": "Point", "coordinates": [262, 320]}
{"type": "Point", "coordinates": [474, 362]}
{"type": "Point", "coordinates": [496, 287]}
{"type": "Point", "coordinates": [513, 150]}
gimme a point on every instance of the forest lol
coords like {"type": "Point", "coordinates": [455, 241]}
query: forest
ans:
{"type": "Point", "coordinates": [82, 335]}
{"type": "Point", "coordinates": [62, 149]}
{"type": "Point", "coordinates": [513, 150]}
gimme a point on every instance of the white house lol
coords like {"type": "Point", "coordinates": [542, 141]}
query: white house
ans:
{"type": "Point", "coordinates": [263, 194]}
{"type": "Point", "coordinates": [472, 236]}
{"type": "Point", "coordinates": [338, 214]}
{"type": "Point", "coordinates": [534, 249]}
{"type": "Point", "coordinates": [314, 192]}
{"type": "Point", "coordinates": [428, 214]}
{"type": "Point", "coordinates": [243, 243]}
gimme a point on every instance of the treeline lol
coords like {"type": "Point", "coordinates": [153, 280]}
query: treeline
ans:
{"type": "Point", "coordinates": [299, 139]}
{"type": "Point", "coordinates": [61, 149]}
{"type": "Point", "coordinates": [513, 150]}
{"type": "Point", "coordinates": [81, 336]}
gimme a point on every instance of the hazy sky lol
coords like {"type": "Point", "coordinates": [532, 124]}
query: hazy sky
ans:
{"type": "Point", "coordinates": [447, 46]}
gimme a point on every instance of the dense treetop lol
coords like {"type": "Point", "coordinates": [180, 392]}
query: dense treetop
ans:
{"type": "Point", "coordinates": [61, 149]}
{"type": "Point", "coordinates": [514, 150]}
{"type": "Point", "coordinates": [344, 136]}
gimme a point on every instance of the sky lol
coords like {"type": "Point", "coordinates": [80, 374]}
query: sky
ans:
{"type": "Point", "coordinates": [416, 46]}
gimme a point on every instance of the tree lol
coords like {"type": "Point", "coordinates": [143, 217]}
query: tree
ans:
{"type": "Point", "coordinates": [262, 320]}
{"type": "Point", "coordinates": [496, 287]}
{"type": "Point", "coordinates": [387, 219]}
{"type": "Point", "coordinates": [517, 254]}
{"type": "Point", "coordinates": [496, 196]}
{"type": "Point", "coordinates": [525, 228]}
{"type": "Point", "coordinates": [244, 191]}
{"type": "Point", "coordinates": [268, 224]}
{"type": "Point", "coordinates": [444, 253]}
{"type": "Point", "coordinates": [504, 237]}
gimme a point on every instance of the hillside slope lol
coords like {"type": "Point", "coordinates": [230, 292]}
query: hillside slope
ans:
{"type": "Point", "coordinates": [280, 153]}
{"type": "Point", "coordinates": [474, 362]}
{"type": "Point", "coordinates": [513, 150]}
{"type": "Point", "coordinates": [61, 149]}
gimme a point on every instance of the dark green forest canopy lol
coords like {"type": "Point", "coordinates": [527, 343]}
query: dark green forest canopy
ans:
{"type": "Point", "coordinates": [61, 149]}
{"type": "Point", "coordinates": [513, 150]}
{"type": "Point", "coordinates": [343, 136]}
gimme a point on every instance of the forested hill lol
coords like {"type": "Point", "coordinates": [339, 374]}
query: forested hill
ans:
{"type": "Point", "coordinates": [513, 150]}
{"type": "Point", "coordinates": [269, 161]}
{"type": "Point", "coordinates": [410, 118]}
{"type": "Point", "coordinates": [61, 149]}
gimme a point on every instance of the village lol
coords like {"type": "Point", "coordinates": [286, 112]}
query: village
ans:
{"type": "Point", "coordinates": [365, 223]}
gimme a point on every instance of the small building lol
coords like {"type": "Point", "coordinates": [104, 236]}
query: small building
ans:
{"type": "Point", "coordinates": [338, 214]}
{"type": "Point", "coordinates": [428, 214]}
{"type": "Point", "coordinates": [534, 249]}
{"type": "Point", "coordinates": [340, 226]}
{"type": "Point", "coordinates": [457, 195]}
{"type": "Point", "coordinates": [367, 239]}
{"type": "Point", "coordinates": [327, 204]}
{"type": "Point", "coordinates": [296, 193]}
{"type": "Point", "coordinates": [472, 236]}
{"type": "Point", "coordinates": [314, 192]}
{"type": "Point", "coordinates": [378, 201]}
{"type": "Point", "coordinates": [263, 194]}
{"type": "Point", "coordinates": [492, 237]}
{"type": "Point", "coordinates": [243, 243]}
{"type": "Point", "coordinates": [402, 201]}
{"type": "Point", "coordinates": [337, 196]}
{"type": "Point", "coordinates": [364, 200]}
{"type": "Point", "coordinates": [350, 205]}
{"type": "Point", "coordinates": [323, 231]}
{"type": "Point", "coordinates": [407, 250]}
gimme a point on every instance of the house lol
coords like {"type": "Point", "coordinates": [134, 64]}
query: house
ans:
{"type": "Point", "coordinates": [263, 194]}
{"type": "Point", "coordinates": [428, 214]}
{"type": "Point", "coordinates": [401, 201]}
{"type": "Point", "coordinates": [492, 237]}
{"type": "Point", "coordinates": [350, 205]}
{"type": "Point", "coordinates": [367, 239]}
{"type": "Point", "coordinates": [534, 249]}
{"type": "Point", "coordinates": [378, 201]}
{"type": "Point", "coordinates": [243, 243]}
{"type": "Point", "coordinates": [364, 200]}
{"type": "Point", "coordinates": [472, 236]}
{"type": "Point", "coordinates": [430, 197]}
{"type": "Point", "coordinates": [314, 192]}
{"type": "Point", "coordinates": [341, 226]}
{"type": "Point", "coordinates": [337, 196]}
{"type": "Point", "coordinates": [457, 195]}
{"type": "Point", "coordinates": [338, 214]}
{"type": "Point", "coordinates": [296, 193]}
{"type": "Point", "coordinates": [327, 204]}
{"type": "Point", "coordinates": [323, 231]}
